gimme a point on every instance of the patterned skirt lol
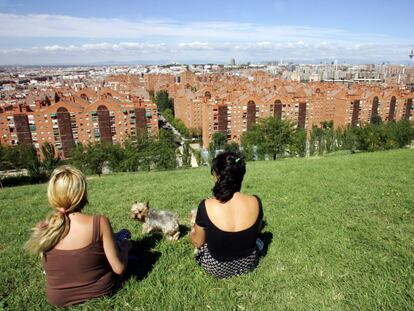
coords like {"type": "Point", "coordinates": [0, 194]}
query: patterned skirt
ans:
{"type": "Point", "coordinates": [225, 269]}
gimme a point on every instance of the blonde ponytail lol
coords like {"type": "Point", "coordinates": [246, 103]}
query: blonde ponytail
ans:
{"type": "Point", "coordinates": [66, 194]}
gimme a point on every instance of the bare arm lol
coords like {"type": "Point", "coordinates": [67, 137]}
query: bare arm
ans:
{"type": "Point", "coordinates": [117, 259]}
{"type": "Point", "coordinates": [197, 236]}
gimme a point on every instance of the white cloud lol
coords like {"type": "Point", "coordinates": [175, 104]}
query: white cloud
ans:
{"type": "Point", "coordinates": [95, 47]}
{"type": "Point", "coordinates": [209, 50]}
{"type": "Point", "coordinates": [196, 45]}
{"type": "Point", "coordinates": [160, 40]}
{"type": "Point", "coordinates": [62, 26]}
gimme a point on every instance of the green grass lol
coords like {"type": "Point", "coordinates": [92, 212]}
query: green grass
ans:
{"type": "Point", "coordinates": [342, 238]}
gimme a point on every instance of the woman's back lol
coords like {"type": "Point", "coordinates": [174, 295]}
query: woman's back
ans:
{"type": "Point", "coordinates": [80, 232]}
{"type": "Point", "coordinates": [227, 226]}
{"type": "Point", "coordinates": [76, 274]}
{"type": "Point", "coordinates": [237, 214]}
{"type": "Point", "coordinates": [80, 255]}
{"type": "Point", "coordinates": [231, 228]}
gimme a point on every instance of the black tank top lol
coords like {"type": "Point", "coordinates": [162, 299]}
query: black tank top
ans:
{"type": "Point", "coordinates": [224, 245]}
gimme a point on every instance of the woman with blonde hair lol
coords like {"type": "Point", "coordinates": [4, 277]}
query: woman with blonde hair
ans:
{"type": "Point", "coordinates": [79, 252]}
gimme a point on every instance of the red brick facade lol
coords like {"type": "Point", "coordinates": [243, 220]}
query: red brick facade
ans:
{"type": "Point", "coordinates": [93, 116]}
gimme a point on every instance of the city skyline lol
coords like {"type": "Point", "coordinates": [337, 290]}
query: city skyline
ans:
{"type": "Point", "coordinates": [46, 32]}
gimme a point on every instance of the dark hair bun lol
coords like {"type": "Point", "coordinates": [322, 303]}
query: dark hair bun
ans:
{"type": "Point", "coordinates": [229, 168]}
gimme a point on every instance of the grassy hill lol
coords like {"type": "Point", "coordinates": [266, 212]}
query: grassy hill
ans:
{"type": "Point", "coordinates": [341, 233]}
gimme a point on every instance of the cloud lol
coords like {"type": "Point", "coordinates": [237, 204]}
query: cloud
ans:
{"type": "Point", "coordinates": [262, 50]}
{"type": "Point", "coordinates": [95, 47]}
{"type": "Point", "coordinates": [116, 38]}
{"type": "Point", "coordinates": [62, 26]}
{"type": "Point", "coordinates": [196, 45]}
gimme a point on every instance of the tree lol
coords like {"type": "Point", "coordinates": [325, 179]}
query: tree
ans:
{"type": "Point", "coordinates": [248, 150]}
{"type": "Point", "coordinates": [369, 137]}
{"type": "Point", "coordinates": [163, 151]}
{"type": "Point", "coordinates": [168, 114]}
{"type": "Point", "coordinates": [346, 138]}
{"type": "Point", "coordinates": [131, 158]}
{"type": "Point", "coordinates": [29, 160]}
{"type": "Point", "coordinates": [186, 156]}
{"type": "Point", "coordinates": [232, 147]}
{"type": "Point", "coordinates": [89, 158]}
{"type": "Point", "coordinates": [327, 124]}
{"type": "Point", "coordinates": [115, 156]}
{"type": "Point", "coordinates": [198, 156]}
{"type": "Point", "coordinates": [376, 119]}
{"type": "Point", "coordinates": [195, 132]}
{"type": "Point", "coordinates": [218, 141]}
{"type": "Point", "coordinates": [248, 143]}
{"type": "Point", "coordinates": [21, 156]}
{"type": "Point", "coordinates": [78, 157]}
{"type": "Point", "coordinates": [328, 135]}
{"type": "Point", "coordinates": [50, 160]}
{"type": "Point", "coordinates": [163, 101]}
{"type": "Point", "coordinates": [329, 140]}
{"type": "Point", "coordinates": [298, 144]}
{"type": "Point", "coordinates": [142, 137]}
{"type": "Point", "coordinates": [312, 140]}
{"type": "Point", "coordinates": [273, 137]}
{"type": "Point", "coordinates": [320, 137]}
{"type": "Point", "coordinates": [6, 158]}
{"type": "Point", "coordinates": [95, 158]}
{"type": "Point", "coordinates": [401, 132]}
{"type": "Point", "coordinates": [180, 127]}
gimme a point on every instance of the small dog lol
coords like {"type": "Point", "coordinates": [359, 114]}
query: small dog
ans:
{"type": "Point", "coordinates": [156, 221]}
{"type": "Point", "coordinates": [192, 217]}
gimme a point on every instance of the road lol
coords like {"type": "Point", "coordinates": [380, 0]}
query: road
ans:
{"type": "Point", "coordinates": [181, 140]}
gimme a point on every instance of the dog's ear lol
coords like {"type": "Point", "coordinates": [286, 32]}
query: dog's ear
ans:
{"type": "Point", "coordinates": [147, 203]}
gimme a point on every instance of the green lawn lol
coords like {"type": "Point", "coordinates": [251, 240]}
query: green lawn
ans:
{"type": "Point", "coordinates": [341, 230]}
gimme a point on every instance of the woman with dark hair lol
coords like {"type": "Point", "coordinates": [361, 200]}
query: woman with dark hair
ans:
{"type": "Point", "coordinates": [226, 226]}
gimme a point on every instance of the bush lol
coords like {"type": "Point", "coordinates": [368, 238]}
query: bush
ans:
{"type": "Point", "coordinates": [13, 181]}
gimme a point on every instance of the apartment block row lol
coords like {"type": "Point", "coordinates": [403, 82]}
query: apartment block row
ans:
{"type": "Point", "coordinates": [77, 117]}
{"type": "Point", "coordinates": [235, 108]}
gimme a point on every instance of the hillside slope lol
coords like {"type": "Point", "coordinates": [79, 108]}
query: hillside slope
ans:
{"type": "Point", "coordinates": [341, 233]}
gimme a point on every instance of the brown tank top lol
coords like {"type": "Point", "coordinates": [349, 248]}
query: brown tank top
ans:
{"type": "Point", "coordinates": [73, 276]}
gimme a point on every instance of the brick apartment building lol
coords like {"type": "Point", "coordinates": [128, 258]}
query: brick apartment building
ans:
{"type": "Point", "coordinates": [84, 116]}
{"type": "Point", "coordinates": [214, 103]}
{"type": "Point", "coordinates": [233, 105]}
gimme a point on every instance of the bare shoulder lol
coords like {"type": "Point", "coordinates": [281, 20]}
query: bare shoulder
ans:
{"type": "Point", "coordinates": [211, 202]}
{"type": "Point", "coordinates": [104, 221]}
{"type": "Point", "coordinates": [105, 225]}
{"type": "Point", "coordinates": [247, 198]}
{"type": "Point", "coordinates": [81, 220]}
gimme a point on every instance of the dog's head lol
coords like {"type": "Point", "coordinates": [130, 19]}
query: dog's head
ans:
{"type": "Point", "coordinates": [139, 211]}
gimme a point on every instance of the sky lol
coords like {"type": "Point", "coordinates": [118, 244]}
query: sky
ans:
{"type": "Point", "coordinates": [51, 32]}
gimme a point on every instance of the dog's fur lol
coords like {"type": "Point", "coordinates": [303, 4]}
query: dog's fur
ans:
{"type": "Point", "coordinates": [156, 221]}
{"type": "Point", "coordinates": [192, 217]}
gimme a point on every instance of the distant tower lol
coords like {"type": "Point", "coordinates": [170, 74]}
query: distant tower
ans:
{"type": "Point", "coordinates": [232, 62]}
{"type": "Point", "coordinates": [411, 55]}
